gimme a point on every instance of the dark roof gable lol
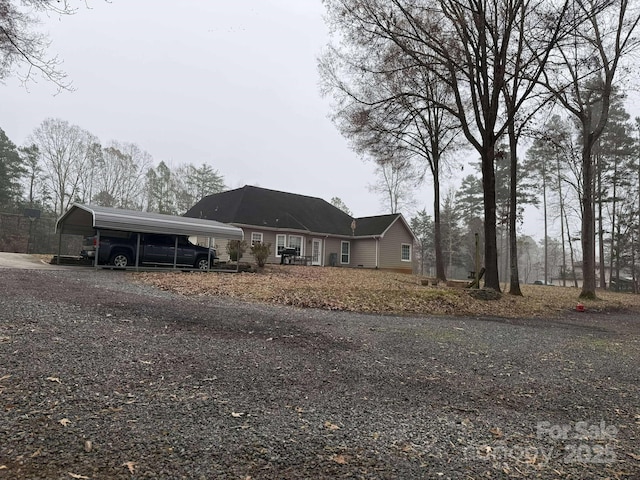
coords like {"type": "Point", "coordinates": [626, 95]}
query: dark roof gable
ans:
{"type": "Point", "coordinates": [265, 208]}
{"type": "Point", "coordinates": [367, 226]}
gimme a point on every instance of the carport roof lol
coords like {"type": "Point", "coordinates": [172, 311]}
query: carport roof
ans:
{"type": "Point", "coordinates": [85, 219]}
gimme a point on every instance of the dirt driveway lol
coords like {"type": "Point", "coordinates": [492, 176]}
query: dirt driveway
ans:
{"type": "Point", "coordinates": [101, 378]}
{"type": "Point", "coordinates": [26, 262]}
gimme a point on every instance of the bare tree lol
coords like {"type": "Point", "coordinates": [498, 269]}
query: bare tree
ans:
{"type": "Point", "coordinates": [465, 45]}
{"type": "Point", "coordinates": [397, 176]}
{"type": "Point", "coordinates": [64, 152]}
{"type": "Point", "coordinates": [118, 175]}
{"type": "Point", "coordinates": [160, 190]}
{"type": "Point", "coordinates": [21, 43]}
{"type": "Point", "coordinates": [538, 26]}
{"type": "Point", "coordinates": [580, 75]}
{"type": "Point", "coordinates": [391, 111]}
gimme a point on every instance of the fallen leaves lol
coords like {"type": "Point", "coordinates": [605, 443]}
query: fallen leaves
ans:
{"type": "Point", "coordinates": [237, 414]}
{"type": "Point", "coordinates": [64, 422]}
{"type": "Point", "coordinates": [75, 475]}
{"type": "Point", "coordinates": [54, 379]}
{"type": "Point", "coordinates": [375, 291]}
{"type": "Point", "coordinates": [331, 426]}
{"type": "Point", "coordinates": [340, 459]}
{"type": "Point", "coordinates": [131, 466]}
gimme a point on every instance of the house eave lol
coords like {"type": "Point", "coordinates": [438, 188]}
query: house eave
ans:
{"type": "Point", "coordinates": [304, 232]}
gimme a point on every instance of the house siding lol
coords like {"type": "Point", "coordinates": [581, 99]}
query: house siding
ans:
{"type": "Point", "coordinates": [269, 236]}
{"type": "Point", "coordinates": [221, 249]}
{"type": "Point", "coordinates": [332, 245]}
{"type": "Point", "coordinates": [390, 248]}
{"type": "Point", "coordinates": [363, 253]}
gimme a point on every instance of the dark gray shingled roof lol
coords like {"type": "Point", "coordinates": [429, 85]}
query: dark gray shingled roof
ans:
{"type": "Point", "coordinates": [261, 207]}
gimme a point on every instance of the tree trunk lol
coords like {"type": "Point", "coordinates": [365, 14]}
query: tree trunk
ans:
{"type": "Point", "coordinates": [635, 276]}
{"type": "Point", "coordinates": [571, 254]}
{"type": "Point", "coordinates": [491, 279]}
{"type": "Point", "coordinates": [588, 220]}
{"type": "Point", "coordinates": [617, 250]}
{"type": "Point", "coordinates": [615, 239]}
{"type": "Point", "coordinates": [603, 280]}
{"type": "Point", "coordinates": [546, 223]}
{"type": "Point", "coordinates": [440, 272]}
{"type": "Point", "coordinates": [514, 282]}
{"type": "Point", "coordinates": [562, 217]}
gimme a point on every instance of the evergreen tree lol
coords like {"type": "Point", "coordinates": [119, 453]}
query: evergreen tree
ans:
{"type": "Point", "coordinates": [11, 171]}
{"type": "Point", "coordinates": [452, 236]}
{"type": "Point", "coordinates": [194, 183]}
{"type": "Point", "coordinates": [30, 158]}
{"type": "Point", "coordinates": [423, 228]}
{"type": "Point", "coordinates": [469, 199]}
{"type": "Point", "coordinates": [615, 178]}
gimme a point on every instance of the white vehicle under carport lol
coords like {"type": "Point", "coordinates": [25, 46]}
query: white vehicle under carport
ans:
{"type": "Point", "coordinates": [128, 238]}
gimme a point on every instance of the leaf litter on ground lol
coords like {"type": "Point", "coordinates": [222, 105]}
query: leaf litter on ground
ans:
{"type": "Point", "coordinates": [377, 291]}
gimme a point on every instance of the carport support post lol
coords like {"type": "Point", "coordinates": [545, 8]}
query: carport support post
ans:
{"type": "Point", "coordinates": [96, 252]}
{"type": "Point", "coordinates": [175, 253]}
{"type": "Point", "coordinates": [208, 253]}
{"type": "Point", "coordinates": [138, 252]}
{"type": "Point", "coordinates": [59, 247]}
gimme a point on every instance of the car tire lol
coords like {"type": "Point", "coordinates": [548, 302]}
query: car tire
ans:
{"type": "Point", "coordinates": [120, 260]}
{"type": "Point", "coordinates": [202, 263]}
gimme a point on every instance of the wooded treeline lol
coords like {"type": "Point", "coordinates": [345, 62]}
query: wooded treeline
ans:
{"type": "Point", "coordinates": [418, 79]}
{"type": "Point", "coordinates": [63, 163]}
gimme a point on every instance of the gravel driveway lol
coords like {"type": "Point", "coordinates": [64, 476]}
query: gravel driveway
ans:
{"type": "Point", "coordinates": [104, 378]}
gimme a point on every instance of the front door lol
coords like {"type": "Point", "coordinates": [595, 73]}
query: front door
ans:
{"type": "Point", "coordinates": [316, 252]}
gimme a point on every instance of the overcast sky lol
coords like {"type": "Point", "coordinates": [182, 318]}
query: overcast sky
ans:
{"type": "Point", "coordinates": [231, 84]}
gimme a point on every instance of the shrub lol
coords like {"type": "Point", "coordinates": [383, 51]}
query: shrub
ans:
{"type": "Point", "coordinates": [236, 248]}
{"type": "Point", "coordinates": [261, 252]}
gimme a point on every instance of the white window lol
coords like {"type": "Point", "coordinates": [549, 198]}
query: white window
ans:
{"type": "Point", "coordinates": [405, 252]}
{"type": "Point", "coordinates": [280, 244]}
{"type": "Point", "coordinates": [295, 241]}
{"type": "Point", "coordinates": [256, 237]}
{"type": "Point", "coordinates": [345, 250]}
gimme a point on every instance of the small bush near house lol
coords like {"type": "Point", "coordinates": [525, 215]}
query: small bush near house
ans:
{"type": "Point", "coordinates": [236, 248]}
{"type": "Point", "coordinates": [261, 252]}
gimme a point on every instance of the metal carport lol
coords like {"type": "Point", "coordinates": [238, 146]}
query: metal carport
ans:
{"type": "Point", "coordinates": [89, 219]}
